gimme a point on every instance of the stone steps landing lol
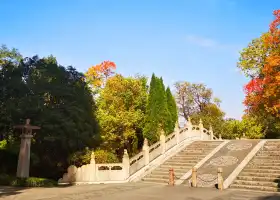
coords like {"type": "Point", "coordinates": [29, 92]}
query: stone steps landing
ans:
{"type": "Point", "coordinates": [263, 171]}
{"type": "Point", "coordinates": [182, 162]}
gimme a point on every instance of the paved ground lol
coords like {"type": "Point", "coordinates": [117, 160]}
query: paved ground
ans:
{"type": "Point", "coordinates": [135, 191]}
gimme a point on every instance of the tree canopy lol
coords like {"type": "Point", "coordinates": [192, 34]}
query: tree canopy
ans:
{"type": "Point", "coordinates": [55, 98]}
{"type": "Point", "coordinates": [197, 102]}
{"type": "Point", "coordinates": [121, 111]}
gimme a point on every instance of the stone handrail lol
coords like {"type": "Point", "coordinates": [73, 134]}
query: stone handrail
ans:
{"type": "Point", "coordinates": [115, 172]}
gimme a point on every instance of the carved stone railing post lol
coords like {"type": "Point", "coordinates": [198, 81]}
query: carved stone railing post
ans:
{"type": "Point", "coordinates": [194, 177]}
{"type": "Point", "coordinates": [93, 168]}
{"type": "Point", "coordinates": [211, 133]}
{"type": "Point", "coordinates": [201, 129]}
{"type": "Point", "coordinates": [220, 179]}
{"type": "Point", "coordinates": [220, 137]}
{"type": "Point", "coordinates": [126, 165]}
{"type": "Point", "coordinates": [189, 126]}
{"type": "Point", "coordinates": [146, 152]}
{"type": "Point", "coordinates": [162, 142]}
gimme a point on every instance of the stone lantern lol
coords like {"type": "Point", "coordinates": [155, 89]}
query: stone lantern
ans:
{"type": "Point", "coordinates": [24, 153]}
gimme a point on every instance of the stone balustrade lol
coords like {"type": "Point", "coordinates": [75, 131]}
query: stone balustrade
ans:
{"type": "Point", "coordinates": [120, 172]}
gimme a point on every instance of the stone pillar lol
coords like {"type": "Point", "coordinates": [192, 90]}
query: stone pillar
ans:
{"type": "Point", "coordinates": [194, 177]}
{"type": "Point", "coordinates": [201, 129]}
{"type": "Point", "coordinates": [162, 142]}
{"type": "Point", "coordinates": [126, 165]}
{"type": "Point", "coordinates": [211, 133]}
{"type": "Point", "coordinates": [189, 126]}
{"type": "Point", "coordinates": [24, 156]}
{"type": "Point", "coordinates": [146, 152]}
{"type": "Point", "coordinates": [220, 137]}
{"type": "Point", "coordinates": [92, 168]}
{"type": "Point", "coordinates": [243, 137]}
{"type": "Point", "coordinates": [220, 179]}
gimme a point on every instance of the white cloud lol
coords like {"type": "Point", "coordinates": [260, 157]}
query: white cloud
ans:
{"type": "Point", "coordinates": [211, 43]}
{"type": "Point", "coordinates": [201, 41]}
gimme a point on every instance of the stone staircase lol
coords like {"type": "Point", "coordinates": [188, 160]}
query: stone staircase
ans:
{"type": "Point", "coordinates": [182, 162]}
{"type": "Point", "coordinates": [263, 171]}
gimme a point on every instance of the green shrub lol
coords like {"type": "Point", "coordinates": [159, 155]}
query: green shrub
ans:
{"type": "Point", "coordinates": [83, 157]}
{"type": "Point", "coordinates": [26, 182]}
{"type": "Point", "coordinates": [102, 156]}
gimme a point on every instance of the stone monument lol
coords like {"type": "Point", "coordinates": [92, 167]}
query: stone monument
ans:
{"type": "Point", "coordinates": [24, 153]}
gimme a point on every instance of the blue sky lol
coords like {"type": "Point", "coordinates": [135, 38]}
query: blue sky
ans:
{"type": "Point", "coordinates": [180, 40]}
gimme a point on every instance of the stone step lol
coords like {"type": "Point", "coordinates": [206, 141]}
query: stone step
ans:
{"type": "Point", "coordinates": [254, 178]}
{"type": "Point", "coordinates": [176, 171]}
{"type": "Point", "coordinates": [265, 157]}
{"type": "Point", "coordinates": [159, 176]}
{"type": "Point", "coordinates": [268, 153]}
{"type": "Point", "coordinates": [263, 166]}
{"type": "Point", "coordinates": [175, 167]}
{"type": "Point", "coordinates": [188, 152]}
{"type": "Point", "coordinates": [200, 149]}
{"type": "Point", "coordinates": [155, 172]}
{"type": "Point", "coordinates": [256, 183]}
{"type": "Point", "coordinates": [187, 156]}
{"type": "Point", "coordinates": [180, 162]}
{"type": "Point", "coordinates": [157, 180]}
{"type": "Point", "coordinates": [254, 187]}
{"type": "Point", "coordinates": [266, 161]}
{"type": "Point", "coordinates": [257, 174]}
{"type": "Point", "coordinates": [273, 171]}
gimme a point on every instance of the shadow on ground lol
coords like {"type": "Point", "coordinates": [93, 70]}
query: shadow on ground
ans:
{"type": "Point", "coordinates": [269, 197]}
{"type": "Point", "coordinates": [9, 191]}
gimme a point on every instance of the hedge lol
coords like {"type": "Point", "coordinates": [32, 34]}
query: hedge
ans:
{"type": "Point", "coordinates": [26, 182]}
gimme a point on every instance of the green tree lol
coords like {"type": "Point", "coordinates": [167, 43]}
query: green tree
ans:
{"type": "Point", "coordinates": [211, 115]}
{"type": "Point", "coordinates": [197, 102]}
{"type": "Point", "coordinates": [172, 108]}
{"type": "Point", "coordinates": [55, 98]}
{"type": "Point", "coordinates": [158, 117]}
{"type": "Point", "coordinates": [9, 55]}
{"type": "Point", "coordinates": [121, 111]}
{"type": "Point", "coordinates": [252, 58]}
{"type": "Point", "coordinates": [247, 126]}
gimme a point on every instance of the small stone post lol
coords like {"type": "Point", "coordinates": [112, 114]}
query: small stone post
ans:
{"type": "Point", "coordinates": [177, 130]}
{"type": "Point", "coordinates": [201, 129]}
{"type": "Point", "coordinates": [162, 142]}
{"type": "Point", "coordinates": [220, 137]}
{"type": "Point", "coordinates": [146, 152]}
{"type": "Point", "coordinates": [24, 153]}
{"type": "Point", "coordinates": [92, 167]}
{"type": "Point", "coordinates": [220, 179]}
{"type": "Point", "coordinates": [194, 177]}
{"type": "Point", "coordinates": [126, 165]}
{"type": "Point", "coordinates": [171, 177]}
{"type": "Point", "coordinates": [243, 137]}
{"type": "Point", "coordinates": [189, 127]}
{"type": "Point", "coordinates": [211, 133]}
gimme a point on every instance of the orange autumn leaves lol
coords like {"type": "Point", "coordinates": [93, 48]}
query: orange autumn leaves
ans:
{"type": "Point", "coordinates": [97, 75]}
{"type": "Point", "coordinates": [264, 91]}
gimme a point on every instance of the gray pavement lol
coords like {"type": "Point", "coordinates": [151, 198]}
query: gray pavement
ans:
{"type": "Point", "coordinates": [135, 191]}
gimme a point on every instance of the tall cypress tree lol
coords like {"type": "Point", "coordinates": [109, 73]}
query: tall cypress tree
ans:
{"type": "Point", "coordinates": [150, 128]}
{"type": "Point", "coordinates": [165, 122]}
{"type": "Point", "coordinates": [172, 108]}
{"type": "Point", "coordinates": [158, 117]}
